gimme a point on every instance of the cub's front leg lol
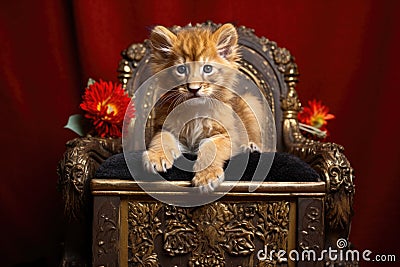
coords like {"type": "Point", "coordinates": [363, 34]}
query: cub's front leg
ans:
{"type": "Point", "coordinates": [161, 153]}
{"type": "Point", "coordinates": [213, 152]}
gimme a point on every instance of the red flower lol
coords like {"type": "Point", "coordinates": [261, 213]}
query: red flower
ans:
{"type": "Point", "coordinates": [105, 105]}
{"type": "Point", "coordinates": [316, 115]}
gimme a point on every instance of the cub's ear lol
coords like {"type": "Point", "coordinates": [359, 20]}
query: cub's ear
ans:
{"type": "Point", "coordinates": [162, 40]}
{"type": "Point", "coordinates": [226, 38]}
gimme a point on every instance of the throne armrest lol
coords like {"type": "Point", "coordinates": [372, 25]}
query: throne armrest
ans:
{"type": "Point", "coordinates": [327, 159]}
{"type": "Point", "coordinates": [334, 168]}
{"type": "Point", "coordinates": [78, 166]}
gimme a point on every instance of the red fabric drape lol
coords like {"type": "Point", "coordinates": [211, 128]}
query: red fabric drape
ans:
{"type": "Point", "coordinates": [347, 52]}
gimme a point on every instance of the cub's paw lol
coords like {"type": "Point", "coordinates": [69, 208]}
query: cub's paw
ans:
{"type": "Point", "coordinates": [208, 179]}
{"type": "Point", "coordinates": [160, 160]}
{"type": "Point", "coordinates": [251, 147]}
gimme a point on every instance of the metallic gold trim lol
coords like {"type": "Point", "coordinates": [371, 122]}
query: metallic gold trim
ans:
{"type": "Point", "coordinates": [251, 195]}
{"type": "Point", "coordinates": [123, 251]}
{"type": "Point", "coordinates": [292, 230]}
{"type": "Point", "coordinates": [240, 186]}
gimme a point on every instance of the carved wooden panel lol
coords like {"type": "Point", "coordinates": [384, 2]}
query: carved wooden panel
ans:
{"type": "Point", "coordinates": [106, 231]}
{"type": "Point", "coordinates": [144, 226]}
{"type": "Point", "coordinates": [310, 223]}
{"type": "Point", "coordinates": [217, 234]}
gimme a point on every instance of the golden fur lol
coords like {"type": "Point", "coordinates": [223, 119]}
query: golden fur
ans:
{"type": "Point", "coordinates": [201, 115]}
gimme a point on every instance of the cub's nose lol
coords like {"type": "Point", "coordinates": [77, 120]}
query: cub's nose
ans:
{"type": "Point", "coordinates": [194, 87]}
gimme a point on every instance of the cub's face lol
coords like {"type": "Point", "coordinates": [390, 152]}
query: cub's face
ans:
{"type": "Point", "coordinates": [202, 79]}
{"type": "Point", "coordinates": [202, 62]}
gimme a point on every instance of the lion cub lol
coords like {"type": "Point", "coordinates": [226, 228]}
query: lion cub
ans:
{"type": "Point", "coordinates": [202, 115]}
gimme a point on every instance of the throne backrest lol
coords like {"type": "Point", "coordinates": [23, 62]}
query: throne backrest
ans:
{"type": "Point", "coordinates": [271, 68]}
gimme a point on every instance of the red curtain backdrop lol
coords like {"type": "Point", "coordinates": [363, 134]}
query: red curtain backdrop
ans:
{"type": "Point", "coordinates": [347, 52]}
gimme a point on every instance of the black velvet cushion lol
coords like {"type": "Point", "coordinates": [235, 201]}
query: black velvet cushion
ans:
{"type": "Point", "coordinates": [284, 168]}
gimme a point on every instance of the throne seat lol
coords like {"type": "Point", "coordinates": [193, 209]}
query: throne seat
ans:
{"type": "Point", "coordinates": [131, 228]}
{"type": "Point", "coordinates": [305, 207]}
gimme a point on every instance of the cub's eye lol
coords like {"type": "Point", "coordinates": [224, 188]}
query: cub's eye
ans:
{"type": "Point", "coordinates": [181, 69]}
{"type": "Point", "coordinates": [207, 68]}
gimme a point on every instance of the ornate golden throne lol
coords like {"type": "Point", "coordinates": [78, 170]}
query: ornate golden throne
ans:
{"type": "Point", "coordinates": [130, 228]}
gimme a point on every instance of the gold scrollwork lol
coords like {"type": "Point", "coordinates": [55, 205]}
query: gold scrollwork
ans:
{"type": "Point", "coordinates": [78, 165]}
{"type": "Point", "coordinates": [130, 61]}
{"type": "Point", "coordinates": [209, 233]}
{"type": "Point", "coordinates": [282, 56]}
{"type": "Point", "coordinates": [273, 228]}
{"type": "Point", "coordinates": [107, 229]}
{"type": "Point", "coordinates": [311, 224]}
{"type": "Point", "coordinates": [180, 235]}
{"type": "Point", "coordinates": [144, 226]}
{"type": "Point", "coordinates": [136, 52]}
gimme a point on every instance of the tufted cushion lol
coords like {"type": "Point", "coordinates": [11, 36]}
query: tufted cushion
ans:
{"type": "Point", "coordinates": [284, 168]}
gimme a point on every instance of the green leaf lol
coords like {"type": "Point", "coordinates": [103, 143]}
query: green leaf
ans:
{"type": "Point", "coordinates": [90, 82]}
{"type": "Point", "coordinates": [76, 123]}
